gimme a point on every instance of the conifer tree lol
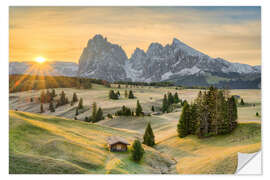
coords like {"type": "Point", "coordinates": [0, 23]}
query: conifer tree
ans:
{"type": "Point", "coordinates": [183, 124]}
{"type": "Point", "coordinates": [193, 124]}
{"type": "Point", "coordinates": [51, 107]}
{"type": "Point", "coordinates": [77, 112]}
{"type": "Point", "coordinates": [170, 98]}
{"type": "Point", "coordinates": [153, 108]}
{"type": "Point", "coordinates": [99, 115]}
{"type": "Point", "coordinates": [80, 105]}
{"type": "Point", "coordinates": [126, 94]}
{"type": "Point", "coordinates": [137, 150]}
{"type": "Point", "coordinates": [176, 98]}
{"type": "Point", "coordinates": [165, 104]}
{"type": "Point", "coordinates": [131, 96]}
{"type": "Point", "coordinates": [118, 94]}
{"type": "Point", "coordinates": [242, 102]}
{"type": "Point", "coordinates": [42, 97]}
{"type": "Point", "coordinates": [62, 98]}
{"type": "Point", "coordinates": [94, 110]}
{"type": "Point", "coordinates": [138, 109]}
{"type": "Point", "coordinates": [41, 108]}
{"type": "Point", "coordinates": [149, 138]}
{"type": "Point", "coordinates": [74, 98]}
{"type": "Point", "coordinates": [53, 94]}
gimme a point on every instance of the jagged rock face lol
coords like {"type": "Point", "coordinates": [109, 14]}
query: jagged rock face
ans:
{"type": "Point", "coordinates": [102, 60]}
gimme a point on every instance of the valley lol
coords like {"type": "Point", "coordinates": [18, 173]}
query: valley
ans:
{"type": "Point", "coordinates": [63, 145]}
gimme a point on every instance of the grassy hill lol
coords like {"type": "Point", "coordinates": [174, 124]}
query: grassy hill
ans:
{"type": "Point", "coordinates": [47, 144]}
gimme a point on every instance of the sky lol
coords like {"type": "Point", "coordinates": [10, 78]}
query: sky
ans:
{"type": "Point", "coordinates": [61, 33]}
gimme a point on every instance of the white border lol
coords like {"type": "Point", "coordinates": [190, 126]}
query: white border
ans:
{"type": "Point", "coordinates": [4, 74]}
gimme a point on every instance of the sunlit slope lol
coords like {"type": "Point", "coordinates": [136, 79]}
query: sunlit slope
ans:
{"type": "Point", "coordinates": [48, 144]}
{"type": "Point", "coordinates": [214, 155]}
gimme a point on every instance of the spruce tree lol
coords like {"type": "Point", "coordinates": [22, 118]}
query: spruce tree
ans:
{"type": "Point", "coordinates": [183, 124]}
{"type": "Point", "coordinates": [80, 105]}
{"type": "Point", "coordinates": [62, 98]}
{"type": "Point", "coordinates": [165, 104]}
{"type": "Point", "coordinates": [77, 112]}
{"type": "Point", "coordinates": [94, 110]}
{"type": "Point", "coordinates": [149, 138]}
{"type": "Point", "coordinates": [41, 108]}
{"type": "Point", "coordinates": [137, 151]}
{"type": "Point", "coordinates": [131, 95]}
{"type": "Point", "coordinates": [242, 102]}
{"type": "Point", "coordinates": [99, 115]}
{"type": "Point", "coordinates": [53, 94]}
{"type": "Point", "coordinates": [51, 107]}
{"type": "Point", "coordinates": [153, 108]}
{"type": "Point", "coordinates": [170, 98]}
{"type": "Point", "coordinates": [74, 98]}
{"type": "Point", "coordinates": [176, 98]}
{"type": "Point", "coordinates": [42, 97]}
{"type": "Point", "coordinates": [138, 109]}
{"type": "Point", "coordinates": [193, 124]}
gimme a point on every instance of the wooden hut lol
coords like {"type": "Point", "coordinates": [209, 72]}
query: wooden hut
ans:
{"type": "Point", "coordinates": [117, 144]}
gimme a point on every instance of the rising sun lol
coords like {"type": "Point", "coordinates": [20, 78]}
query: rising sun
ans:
{"type": "Point", "coordinates": [40, 59]}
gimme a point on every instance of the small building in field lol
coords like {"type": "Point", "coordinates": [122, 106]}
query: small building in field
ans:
{"type": "Point", "coordinates": [117, 144]}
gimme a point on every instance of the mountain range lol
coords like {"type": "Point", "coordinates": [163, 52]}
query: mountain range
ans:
{"type": "Point", "coordinates": [175, 62]}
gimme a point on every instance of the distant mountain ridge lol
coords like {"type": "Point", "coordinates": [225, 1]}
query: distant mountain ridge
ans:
{"type": "Point", "coordinates": [55, 68]}
{"type": "Point", "coordinates": [175, 62]}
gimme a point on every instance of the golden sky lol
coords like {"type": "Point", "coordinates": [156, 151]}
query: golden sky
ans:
{"type": "Point", "coordinates": [61, 33]}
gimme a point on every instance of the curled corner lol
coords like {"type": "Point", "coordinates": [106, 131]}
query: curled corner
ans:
{"type": "Point", "coordinates": [249, 163]}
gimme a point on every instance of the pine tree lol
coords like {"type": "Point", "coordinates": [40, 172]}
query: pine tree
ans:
{"type": "Point", "coordinates": [94, 110]}
{"type": "Point", "coordinates": [99, 115]}
{"type": "Point", "coordinates": [242, 102]}
{"type": "Point", "coordinates": [77, 112]}
{"type": "Point", "coordinates": [42, 97]}
{"type": "Point", "coordinates": [165, 104]}
{"type": "Point", "coordinates": [118, 94]}
{"type": "Point", "coordinates": [131, 96]}
{"type": "Point", "coordinates": [80, 105]}
{"type": "Point", "coordinates": [138, 109]}
{"type": "Point", "coordinates": [149, 138]}
{"type": "Point", "coordinates": [41, 108]}
{"type": "Point", "coordinates": [153, 108]}
{"type": "Point", "coordinates": [170, 98]}
{"type": "Point", "coordinates": [176, 98]}
{"type": "Point", "coordinates": [62, 98]}
{"type": "Point", "coordinates": [51, 107]}
{"type": "Point", "coordinates": [48, 97]}
{"type": "Point", "coordinates": [74, 98]}
{"type": "Point", "coordinates": [53, 94]}
{"type": "Point", "coordinates": [193, 124]}
{"type": "Point", "coordinates": [137, 151]}
{"type": "Point", "coordinates": [183, 124]}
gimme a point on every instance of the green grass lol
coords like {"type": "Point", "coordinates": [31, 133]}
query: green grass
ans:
{"type": "Point", "coordinates": [61, 145]}
{"type": "Point", "coordinates": [213, 155]}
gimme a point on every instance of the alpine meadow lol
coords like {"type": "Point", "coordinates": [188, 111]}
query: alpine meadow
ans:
{"type": "Point", "coordinates": [95, 91]}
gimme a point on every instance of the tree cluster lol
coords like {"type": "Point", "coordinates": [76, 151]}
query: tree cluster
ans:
{"type": "Point", "coordinates": [97, 114]}
{"type": "Point", "coordinates": [124, 111]}
{"type": "Point", "coordinates": [47, 97]}
{"type": "Point", "coordinates": [168, 101]}
{"type": "Point", "coordinates": [63, 100]}
{"type": "Point", "coordinates": [212, 113]}
{"type": "Point", "coordinates": [113, 95]}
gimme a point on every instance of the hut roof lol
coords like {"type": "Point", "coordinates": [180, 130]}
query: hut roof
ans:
{"type": "Point", "coordinates": [116, 139]}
